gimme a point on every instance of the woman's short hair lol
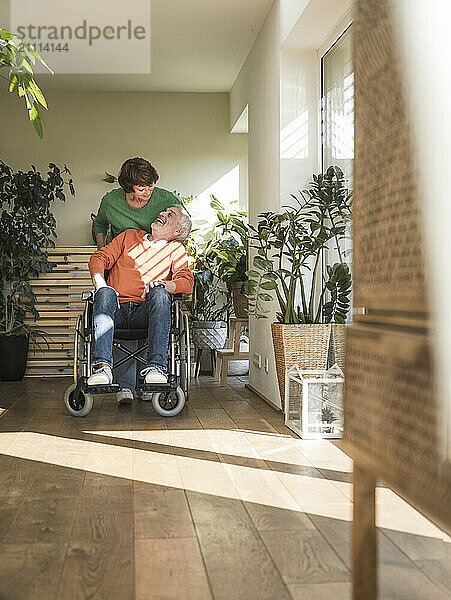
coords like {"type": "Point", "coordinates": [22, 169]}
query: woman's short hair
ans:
{"type": "Point", "coordinates": [136, 171]}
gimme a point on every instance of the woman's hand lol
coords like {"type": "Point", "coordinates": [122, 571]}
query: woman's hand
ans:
{"type": "Point", "coordinates": [100, 240]}
{"type": "Point", "coordinates": [169, 285]}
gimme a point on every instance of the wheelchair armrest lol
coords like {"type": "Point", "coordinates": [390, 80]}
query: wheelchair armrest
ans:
{"type": "Point", "coordinates": [87, 295]}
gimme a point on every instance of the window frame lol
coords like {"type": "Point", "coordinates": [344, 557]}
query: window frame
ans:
{"type": "Point", "coordinates": [338, 32]}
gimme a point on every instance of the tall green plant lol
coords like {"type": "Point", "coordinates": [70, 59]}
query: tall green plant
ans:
{"type": "Point", "coordinates": [291, 248]}
{"type": "Point", "coordinates": [19, 58]}
{"type": "Point", "coordinates": [28, 228]}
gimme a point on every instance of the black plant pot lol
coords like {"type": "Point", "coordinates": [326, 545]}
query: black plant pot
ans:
{"type": "Point", "coordinates": [13, 356]}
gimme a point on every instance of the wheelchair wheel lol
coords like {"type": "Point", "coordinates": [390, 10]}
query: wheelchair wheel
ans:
{"type": "Point", "coordinates": [169, 404]}
{"type": "Point", "coordinates": [78, 404]}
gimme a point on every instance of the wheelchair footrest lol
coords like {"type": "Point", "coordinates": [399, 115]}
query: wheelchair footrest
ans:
{"type": "Point", "coordinates": [110, 388]}
{"type": "Point", "coordinates": [152, 388]}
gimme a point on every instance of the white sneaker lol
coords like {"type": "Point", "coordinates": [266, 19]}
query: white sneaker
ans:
{"type": "Point", "coordinates": [155, 375]}
{"type": "Point", "coordinates": [125, 396]}
{"type": "Point", "coordinates": [102, 376]}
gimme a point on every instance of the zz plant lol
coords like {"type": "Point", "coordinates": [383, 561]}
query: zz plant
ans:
{"type": "Point", "coordinates": [291, 253]}
{"type": "Point", "coordinates": [27, 228]}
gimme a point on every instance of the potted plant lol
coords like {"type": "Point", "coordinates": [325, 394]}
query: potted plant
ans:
{"type": "Point", "coordinates": [328, 417]}
{"type": "Point", "coordinates": [230, 248]}
{"type": "Point", "coordinates": [293, 250]}
{"type": "Point", "coordinates": [28, 227]}
{"type": "Point", "coordinates": [209, 302]}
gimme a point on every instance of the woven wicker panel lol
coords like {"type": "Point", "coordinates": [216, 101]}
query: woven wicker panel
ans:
{"type": "Point", "coordinates": [337, 345]}
{"type": "Point", "coordinates": [388, 259]}
{"type": "Point", "coordinates": [391, 416]}
{"type": "Point", "coordinates": [303, 345]}
{"type": "Point", "coordinates": [240, 301]}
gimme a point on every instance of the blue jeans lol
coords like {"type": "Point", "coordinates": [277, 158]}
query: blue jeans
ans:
{"type": "Point", "coordinates": [154, 314]}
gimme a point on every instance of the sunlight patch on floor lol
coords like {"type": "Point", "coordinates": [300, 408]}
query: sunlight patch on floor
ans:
{"type": "Point", "coordinates": [394, 513]}
{"type": "Point", "coordinates": [241, 480]}
{"type": "Point", "coordinates": [217, 440]}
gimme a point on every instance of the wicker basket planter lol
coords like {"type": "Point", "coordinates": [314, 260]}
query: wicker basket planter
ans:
{"type": "Point", "coordinates": [304, 345]}
{"type": "Point", "coordinates": [337, 346]}
{"type": "Point", "coordinates": [240, 302]}
{"type": "Point", "coordinates": [209, 335]}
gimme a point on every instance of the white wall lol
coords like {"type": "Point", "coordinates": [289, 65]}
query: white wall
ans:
{"type": "Point", "coordinates": [258, 85]}
{"type": "Point", "coordinates": [424, 48]}
{"type": "Point", "coordinates": [185, 135]}
{"type": "Point", "coordinates": [299, 116]}
{"type": "Point", "coordinates": [278, 81]}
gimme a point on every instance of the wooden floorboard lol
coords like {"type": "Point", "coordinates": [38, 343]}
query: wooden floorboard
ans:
{"type": "Point", "coordinates": [222, 502]}
{"type": "Point", "coordinates": [237, 561]}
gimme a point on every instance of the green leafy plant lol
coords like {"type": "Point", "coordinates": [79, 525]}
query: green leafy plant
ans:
{"type": "Point", "coordinates": [210, 299]}
{"type": "Point", "coordinates": [291, 248]}
{"type": "Point", "coordinates": [28, 227]}
{"type": "Point", "coordinates": [339, 287]}
{"type": "Point", "coordinates": [185, 200]}
{"type": "Point", "coordinates": [109, 178]}
{"type": "Point", "coordinates": [230, 245]}
{"type": "Point", "coordinates": [219, 255]}
{"type": "Point", "coordinates": [19, 58]}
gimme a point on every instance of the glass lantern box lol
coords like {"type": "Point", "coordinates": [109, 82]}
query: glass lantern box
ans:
{"type": "Point", "coordinates": [314, 402]}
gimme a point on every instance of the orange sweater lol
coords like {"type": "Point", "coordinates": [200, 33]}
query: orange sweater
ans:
{"type": "Point", "coordinates": [133, 261]}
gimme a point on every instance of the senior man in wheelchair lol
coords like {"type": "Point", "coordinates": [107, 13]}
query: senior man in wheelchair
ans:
{"type": "Point", "coordinates": [144, 270]}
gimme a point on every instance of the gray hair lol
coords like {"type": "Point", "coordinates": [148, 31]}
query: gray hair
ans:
{"type": "Point", "coordinates": [185, 224]}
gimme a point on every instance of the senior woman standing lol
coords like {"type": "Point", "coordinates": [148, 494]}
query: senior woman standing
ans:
{"type": "Point", "coordinates": [134, 205]}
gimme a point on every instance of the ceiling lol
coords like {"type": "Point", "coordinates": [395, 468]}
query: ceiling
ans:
{"type": "Point", "coordinates": [196, 45]}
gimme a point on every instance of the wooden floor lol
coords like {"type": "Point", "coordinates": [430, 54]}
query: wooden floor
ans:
{"type": "Point", "coordinates": [221, 502]}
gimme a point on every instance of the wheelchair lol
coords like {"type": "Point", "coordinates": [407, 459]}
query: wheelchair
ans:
{"type": "Point", "coordinates": [168, 399]}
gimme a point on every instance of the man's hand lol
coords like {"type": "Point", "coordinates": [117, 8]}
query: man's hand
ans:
{"type": "Point", "coordinates": [98, 280]}
{"type": "Point", "coordinates": [169, 285]}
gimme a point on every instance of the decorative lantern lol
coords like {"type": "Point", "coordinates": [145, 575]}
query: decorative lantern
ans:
{"type": "Point", "coordinates": [314, 402]}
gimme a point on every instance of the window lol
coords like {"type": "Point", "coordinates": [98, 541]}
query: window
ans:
{"type": "Point", "coordinates": [337, 105]}
{"type": "Point", "coordinates": [337, 123]}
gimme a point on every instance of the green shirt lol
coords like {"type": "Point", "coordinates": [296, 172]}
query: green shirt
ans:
{"type": "Point", "coordinates": [115, 211]}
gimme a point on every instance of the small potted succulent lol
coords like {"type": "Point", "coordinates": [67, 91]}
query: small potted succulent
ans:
{"type": "Point", "coordinates": [327, 416]}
